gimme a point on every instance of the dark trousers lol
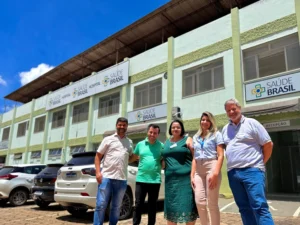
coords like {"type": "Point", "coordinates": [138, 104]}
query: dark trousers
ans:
{"type": "Point", "coordinates": [141, 190]}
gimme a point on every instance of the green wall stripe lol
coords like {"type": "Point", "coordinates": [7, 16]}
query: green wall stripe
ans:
{"type": "Point", "coordinates": [161, 68]}
{"type": "Point", "coordinates": [52, 145]}
{"type": "Point", "coordinates": [97, 138]}
{"type": "Point", "coordinates": [90, 123]}
{"type": "Point", "coordinates": [5, 124]}
{"type": "Point", "coordinates": [21, 118]}
{"type": "Point", "coordinates": [35, 147]}
{"type": "Point", "coordinates": [39, 112]}
{"type": "Point", "coordinates": [77, 141]}
{"type": "Point", "coordinates": [204, 52]}
{"type": "Point", "coordinates": [3, 152]}
{"type": "Point", "coordinates": [17, 150]}
{"type": "Point", "coordinates": [267, 29]}
{"type": "Point", "coordinates": [170, 82]}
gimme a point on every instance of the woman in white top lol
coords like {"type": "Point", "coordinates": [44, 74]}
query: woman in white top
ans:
{"type": "Point", "coordinates": [206, 169]}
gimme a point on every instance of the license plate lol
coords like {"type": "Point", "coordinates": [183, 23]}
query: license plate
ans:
{"type": "Point", "coordinates": [38, 193]}
{"type": "Point", "coordinates": [71, 175]}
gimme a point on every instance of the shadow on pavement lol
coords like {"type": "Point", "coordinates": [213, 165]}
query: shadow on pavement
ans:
{"type": "Point", "coordinates": [52, 207]}
{"type": "Point", "coordinates": [7, 205]}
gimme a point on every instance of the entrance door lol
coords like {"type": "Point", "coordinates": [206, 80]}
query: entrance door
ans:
{"type": "Point", "coordinates": [283, 169]}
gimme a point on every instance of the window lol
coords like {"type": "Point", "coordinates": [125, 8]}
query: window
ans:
{"type": "Point", "coordinates": [204, 78]}
{"type": "Point", "coordinates": [36, 155]}
{"type": "Point", "coordinates": [109, 105]}
{"type": "Point", "coordinates": [39, 124]}
{"type": "Point", "coordinates": [271, 58]}
{"type": "Point", "coordinates": [80, 112]}
{"type": "Point", "coordinates": [148, 94]}
{"type": "Point", "coordinates": [77, 149]}
{"type": "Point", "coordinates": [22, 127]}
{"type": "Point", "coordinates": [58, 119]}
{"type": "Point", "coordinates": [5, 134]}
{"type": "Point", "coordinates": [54, 152]}
{"type": "Point", "coordinates": [17, 156]}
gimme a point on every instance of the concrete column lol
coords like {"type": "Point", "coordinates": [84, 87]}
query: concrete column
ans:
{"type": "Point", "coordinates": [45, 137]}
{"type": "Point", "coordinates": [237, 56]}
{"type": "Point", "coordinates": [170, 82]}
{"type": "Point", "coordinates": [10, 138]}
{"type": "Point", "coordinates": [297, 10]}
{"type": "Point", "coordinates": [29, 131]}
{"type": "Point", "coordinates": [66, 134]}
{"type": "Point", "coordinates": [124, 94]}
{"type": "Point", "coordinates": [90, 124]}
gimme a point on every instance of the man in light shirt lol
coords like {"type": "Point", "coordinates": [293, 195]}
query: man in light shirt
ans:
{"type": "Point", "coordinates": [248, 148]}
{"type": "Point", "coordinates": [114, 152]}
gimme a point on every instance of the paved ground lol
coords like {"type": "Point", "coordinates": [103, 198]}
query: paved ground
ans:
{"type": "Point", "coordinates": [30, 214]}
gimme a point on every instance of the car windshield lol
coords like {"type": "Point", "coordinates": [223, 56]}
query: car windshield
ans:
{"type": "Point", "coordinates": [8, 170]}
{"type": "Point", "coordinates": [51, 169]}
{"type": "Point", "coordinates": [81, 160]}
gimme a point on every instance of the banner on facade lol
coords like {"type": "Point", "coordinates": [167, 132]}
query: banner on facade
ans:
{"type": "Point", "coordinates": [150, 113]}
{"type": "Point", "coordinates": [102, 81]}
{"type": "Point", "coordinates": [273, 87]}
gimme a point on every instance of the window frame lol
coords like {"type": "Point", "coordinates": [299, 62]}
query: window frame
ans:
{"type": "Point", "coordinates": [196, 71]}
{"type": "Point", "coordinates": [111, 98]}
{"type": "Point", "coordinates": [6, 128]}
{"type": "Point", "coordinates": [80, 111]}
{"type": "Point", "coordinates": [147, 87]}
{"type": "Point", "coordinates": [37, 123]}
{"type": "Point", "coordinates": [22, 133]}
{"type": "Point", "coordinates": [271, 51]}
{"type": "Point", "coordinates": [54, 124]}
{"type": "Point", "coordinates": [73, 148]}
{"type": "Point", "coordinates": [34, 154]}
{"type": "Point", "coordinates": [56, 150]}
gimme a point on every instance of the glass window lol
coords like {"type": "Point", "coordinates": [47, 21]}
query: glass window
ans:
{"type": "Point", "coordinates": [77, 149]}
{"type": "Point", "coordinates": [109, 105]}
{"type": "Point", "coordinates": [80, 112]}
{"type": "Point", "coordinates": [36, 154]}
{"type": "Point", "coordinates": [148, 94]}
{"type": "Point", "coordinates": [58, 119]}
{"type": "Point", "coordinates": [55, 152]}
{"type": "Point", "coordinates": [22, 127]}
{"type": "Point", "coordinates": [18, 156]}
{"type": "Point", "coordinates": [203, 78]}
{"type": "Point", "coordinates": [5, 134]}
{"type": "Point", "coordinates": [271, 58]}
{"type": "Point", "coordinates": [39, 124]}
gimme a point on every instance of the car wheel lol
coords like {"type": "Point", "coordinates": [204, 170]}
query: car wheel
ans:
{"type": "Point", "coordinates": [126, 208]}
{"type": "Point", "coordinates": [42, 204]}
{"type": "Point", "coordinates": [76, 212]}
{"type": "Point", "coordinates": [18, 197]}
{"type": "Point", "coordinates": [3, 202]}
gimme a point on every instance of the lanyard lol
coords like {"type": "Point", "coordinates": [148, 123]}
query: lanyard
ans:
{"type": "Point", "coordinates": [202, 143]}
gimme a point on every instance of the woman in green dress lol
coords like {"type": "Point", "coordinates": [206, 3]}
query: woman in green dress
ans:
{"type": "Point", "coordinates": [179, 198]}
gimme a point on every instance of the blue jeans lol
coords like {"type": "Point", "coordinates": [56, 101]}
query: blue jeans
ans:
{"type": "Point", "coordinates": [109, 188]}
{"type": "Point", "coordinates": [248, 188]}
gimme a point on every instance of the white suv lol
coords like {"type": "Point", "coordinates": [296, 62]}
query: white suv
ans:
{"type": "Point", "coordinates": [16, 182]}
{"type": "Point", "coordinates": [76, 186]}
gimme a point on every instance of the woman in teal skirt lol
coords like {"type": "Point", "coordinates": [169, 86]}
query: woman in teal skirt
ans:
{"type": "Point", "coordinates": [179, 197]}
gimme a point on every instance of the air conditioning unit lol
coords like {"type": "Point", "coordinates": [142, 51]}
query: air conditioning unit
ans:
{"type": "Point", "coordinates": [176, 113]}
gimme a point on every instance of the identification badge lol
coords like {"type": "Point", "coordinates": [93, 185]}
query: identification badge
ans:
{"type": "Point", "coordinates": [173, 145]}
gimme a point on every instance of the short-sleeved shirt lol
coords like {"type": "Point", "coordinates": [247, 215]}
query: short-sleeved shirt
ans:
{"type": "Point", "coordinates": [244, 143]}
{"type": "Point", "coordinates": [206, 148]}
{"type": "Point", "coordinates": [149, 170]}
{"type": "Point", "coordinates": [116, 152]}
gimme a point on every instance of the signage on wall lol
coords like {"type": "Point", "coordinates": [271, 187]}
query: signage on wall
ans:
{"type": "Point", "coordinates": [102, 81]}
{"type": "Point", "coordinates": [150, 113]}
{"type": "Point", "coordinates": [273, 87]}
{"type": "Point", "coordinates": [285, 123]}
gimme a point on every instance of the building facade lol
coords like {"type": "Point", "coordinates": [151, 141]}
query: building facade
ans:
{"type": "Point", "coordinates": [251, 54]}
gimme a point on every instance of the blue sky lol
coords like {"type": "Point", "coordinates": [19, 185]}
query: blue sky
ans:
{"type": "Point", "coordinates": [36, 35]}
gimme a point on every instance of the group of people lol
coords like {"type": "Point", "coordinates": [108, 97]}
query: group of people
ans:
{"type": "Point", "coordinates": [192, 170]}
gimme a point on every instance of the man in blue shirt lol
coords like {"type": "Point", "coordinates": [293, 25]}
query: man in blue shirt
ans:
{"type": "Point", "coordinates": [248, 148]}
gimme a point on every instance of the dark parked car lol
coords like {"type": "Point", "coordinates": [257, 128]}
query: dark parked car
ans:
{"type": "Point", "coordinates": [43, 189]}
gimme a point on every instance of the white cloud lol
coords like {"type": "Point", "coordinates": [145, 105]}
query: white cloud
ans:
{"type": "Point", "coordinates": [2, 81]}
{"type": "Point", "coordinates": [33, 73]}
